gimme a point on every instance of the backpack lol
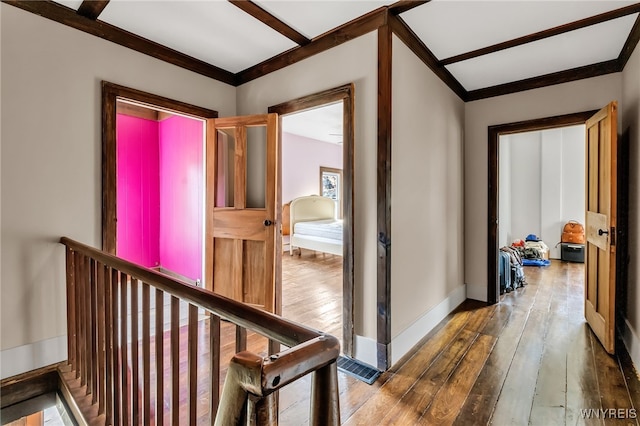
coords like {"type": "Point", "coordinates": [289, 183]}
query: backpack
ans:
{"type": "Point", "coordinates": [573, 232]}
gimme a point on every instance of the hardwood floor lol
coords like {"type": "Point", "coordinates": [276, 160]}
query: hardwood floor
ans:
{"type": "Point", "coordinates": [529, 360]}
{"type": "Point", "coordinates": [312, 290]}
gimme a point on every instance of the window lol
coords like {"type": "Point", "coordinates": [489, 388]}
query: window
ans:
{"type": "Point", "coordinates": [331, 186]}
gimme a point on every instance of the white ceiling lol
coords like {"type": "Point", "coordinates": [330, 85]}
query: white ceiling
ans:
{"type": "Point", "coordinates": [221, 34]}
{"type": "Point", "coordinates": [449, 28]}
{"type": "Point", "coordinates": [313, 18]}
{"type": "Point", "coordinates": [216, 32]}
{"type": "Point", "coordinates": [589, 45]}
{"type": "Point", "coordinates": [323, 123]}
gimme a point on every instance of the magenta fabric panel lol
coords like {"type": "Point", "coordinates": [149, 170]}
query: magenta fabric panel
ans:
{"type": "Point", "coordinates": [181, 196]}
{"type": "Point", "coordinates": [138, 197]}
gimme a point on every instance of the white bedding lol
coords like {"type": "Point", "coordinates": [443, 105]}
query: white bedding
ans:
{"type": "Point", "coordinates": [328, 228]}
{"type": "Point", "coordinates": [313, 225]}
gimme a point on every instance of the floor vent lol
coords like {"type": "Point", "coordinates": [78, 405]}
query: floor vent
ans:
{"type": "Point", "coordinates": [357, 369]}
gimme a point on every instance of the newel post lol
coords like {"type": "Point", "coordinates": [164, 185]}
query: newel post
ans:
{"type": "Point", "coordinates": [244, 377]}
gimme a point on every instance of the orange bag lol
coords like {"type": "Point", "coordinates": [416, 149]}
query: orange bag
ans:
{"type": "Point", "coordinates": [573, 232]}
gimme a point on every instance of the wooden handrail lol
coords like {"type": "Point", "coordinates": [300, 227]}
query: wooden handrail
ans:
{"type": "Point", "coordinates": [280, 329]}
{"type": "Point", "coordinates": [103, 306]}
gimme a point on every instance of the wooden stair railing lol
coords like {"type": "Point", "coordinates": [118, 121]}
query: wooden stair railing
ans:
{"type": "Point", "coordinates": [116, 353]}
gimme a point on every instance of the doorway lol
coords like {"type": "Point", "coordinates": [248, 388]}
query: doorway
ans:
{"type": "Point", "coordinates": [165, 168]}
{"type": "Point", "coordinates": [312, 166]}
{"type": "Point", "coordinates": [160, 197]}
{"type": "Point", "coordinates": [332, 179]}
{"type": "Point", "coordinates": [495, 132]}
{"type": "Point", "coordinates": [542, 185]}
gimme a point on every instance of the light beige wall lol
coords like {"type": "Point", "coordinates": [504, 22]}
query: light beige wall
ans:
{"type": "Point", "coordinates": [354, 61]}
{"type": "Point", "coordinates": [560, 99]}
{"type": "Point", "coordinates": [427, 190]}
{"type": "Point", "coordinates": [51, 155]}
{"type": "Point", "coordinates": [631, 121]}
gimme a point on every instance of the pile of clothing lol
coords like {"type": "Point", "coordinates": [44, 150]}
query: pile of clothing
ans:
{"type": "Point", "coordinates": [534, 252]}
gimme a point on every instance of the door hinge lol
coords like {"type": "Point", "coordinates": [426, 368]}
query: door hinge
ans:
{"type": "Point", "coordinates": [612, 234]}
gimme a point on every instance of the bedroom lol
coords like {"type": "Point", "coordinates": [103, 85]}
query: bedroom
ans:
{"type": "Point", "coordinates": [312, 163]}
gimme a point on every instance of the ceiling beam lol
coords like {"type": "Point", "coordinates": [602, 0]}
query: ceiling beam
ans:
{"type": "Point", "coordinates": [630, 44]}
{"type": "Point", "coordinates": [262, 15]}
{"type": "Point", "coordinates": [413, 42]}
{"type": "Point", "coordinates": [92, 8]}
{"type": "Point", "coordinates": [67, 16]}
{"type": "Point", "coordinates": [349, 31]}
{"type": "Point", "coordinates": [593, 20]}
{"type": "Point", "coordinates": [566, 76]}
{"type": "Point", "coordinates": [402, 6]}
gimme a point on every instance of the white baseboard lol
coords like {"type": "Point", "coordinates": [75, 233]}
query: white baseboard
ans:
{"type": "Point", "coordinates": [35, 355]}
{"type": "Point", "coordinates": [406, 340]}
{"type": "Point", "coordinates": [632, 342]}
{"type": "Point", "coordinates": [365, 350]}
{"type": "Point", "coordinates": [477, 292]}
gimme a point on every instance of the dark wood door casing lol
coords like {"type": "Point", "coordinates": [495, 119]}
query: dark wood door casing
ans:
{"type": "Point", "coordinates": [344, 94]}
{"type": "Point", "coordinates": [111, 93]}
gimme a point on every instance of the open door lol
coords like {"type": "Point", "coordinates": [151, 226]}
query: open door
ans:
{"type": "Point", "coordinates": [601, 205]}
{"type": "Point", "coordinates": [241, 237]}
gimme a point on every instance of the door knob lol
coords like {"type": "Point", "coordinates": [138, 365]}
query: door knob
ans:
{"type": "Point", "coordinates": [267, 222]}
{"type": "Point", "coordinates": [602, 232]}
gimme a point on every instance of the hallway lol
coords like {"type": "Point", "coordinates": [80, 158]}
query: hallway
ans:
{"type": "Point", "coordinates": [529, 360]}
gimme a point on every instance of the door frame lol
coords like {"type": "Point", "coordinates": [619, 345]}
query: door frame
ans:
{"type": "Point", "coordinates": [111, 93]}
{"type": "Point", "coordinates": [494, 133]}
{"type": "Point", "coordinates": [344, 93]}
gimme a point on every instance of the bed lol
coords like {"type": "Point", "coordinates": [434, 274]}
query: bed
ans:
{"type": "Point", "coordinates": [313, 225]}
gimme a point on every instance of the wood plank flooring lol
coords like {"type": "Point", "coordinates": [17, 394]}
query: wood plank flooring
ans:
{"type": "Point", "coordinates": [312, 290]}
{"type": "Point", "coordinates": [529, 360]}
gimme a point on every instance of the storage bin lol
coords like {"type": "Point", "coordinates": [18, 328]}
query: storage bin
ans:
{"type": "Point", "coordinates": [572, 252]}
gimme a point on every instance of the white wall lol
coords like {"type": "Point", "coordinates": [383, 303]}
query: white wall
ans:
{"type": "Point", "coordinates": [51, 164]}
{"type": "Point", "coordinates": [573, 173]}
{"type": "Point", "coordinates": [427, 200]}
{"type": "Point", "coordinates": [525, 184]}
{"type": "Point", "coordinates": [583, 95]}
{"type": "Point", "coordinates": [630, 113]}
{"type": "Point", "coordinates": [354, 61]}
{"type": "Point", "coordinates": [302, 158]}
{"type": "Point", "coordinates": [544, 171]}
{"type": "Point", "coordinates": [552, 185]}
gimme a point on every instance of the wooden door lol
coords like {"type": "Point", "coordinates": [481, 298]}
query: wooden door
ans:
{"type": "Point", "coordinates": [240, 254]}
{"type": "Point", "coordinates": [601, 205]}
